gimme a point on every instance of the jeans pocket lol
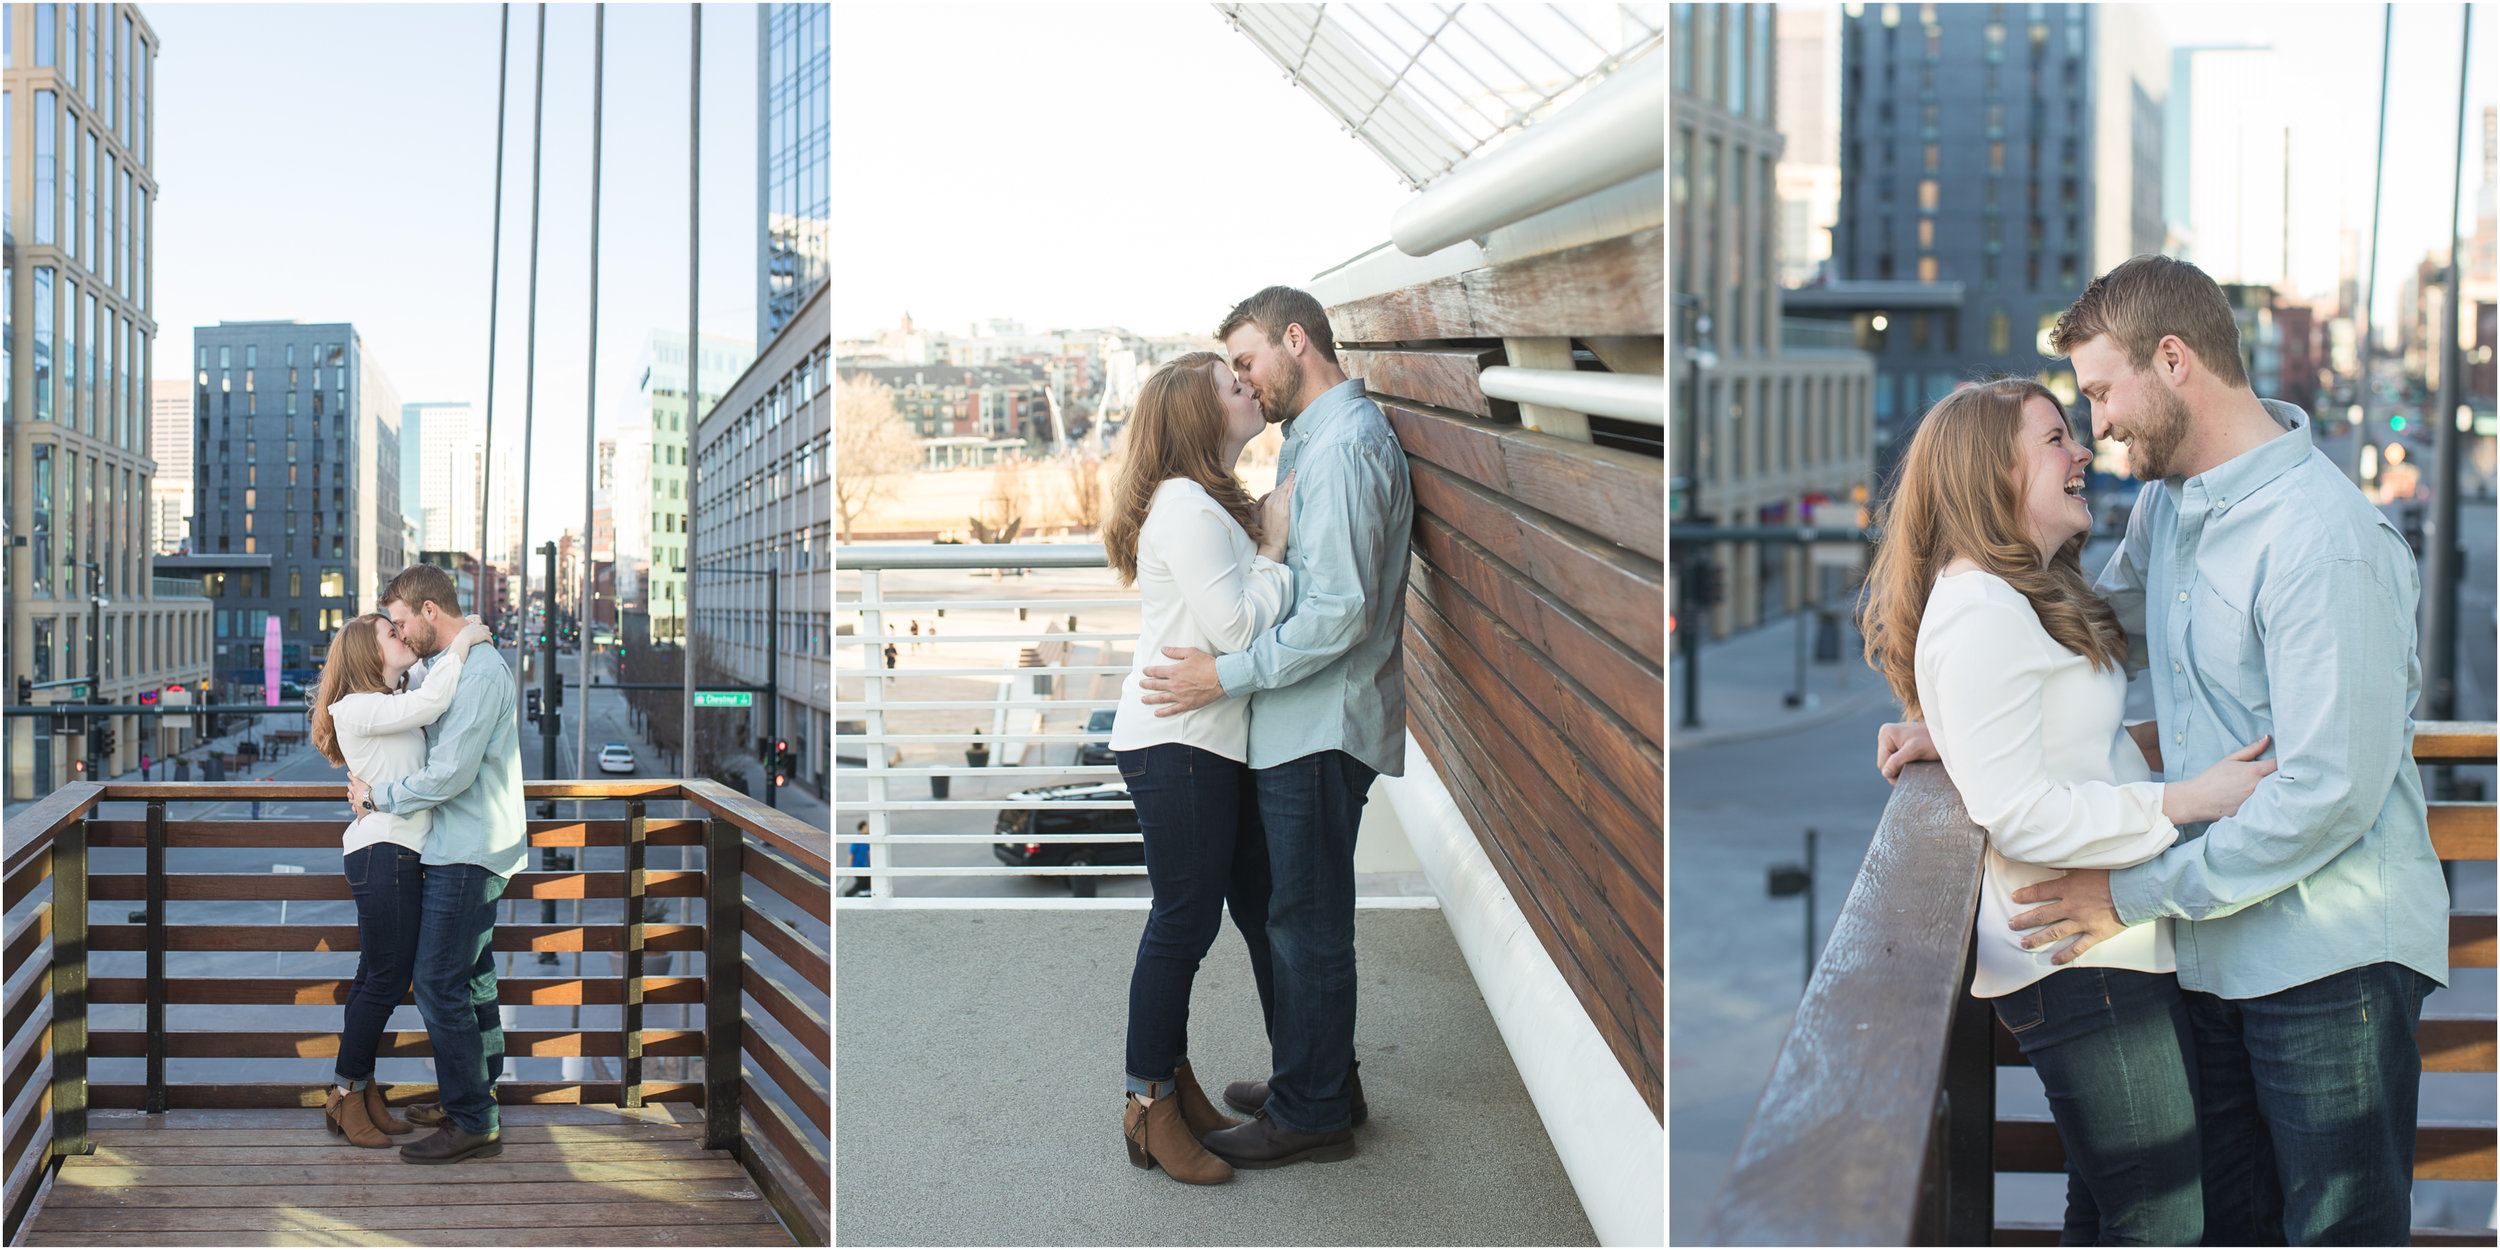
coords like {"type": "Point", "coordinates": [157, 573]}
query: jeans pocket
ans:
{"type": "Point", "coordinates": [358, 866]}
{"type": "Point", "coordinates": [2022, 1010]}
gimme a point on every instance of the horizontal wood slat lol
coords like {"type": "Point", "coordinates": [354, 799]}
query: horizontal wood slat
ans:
{"type": "Point", "coordinates": [1618, 495]}
{"type": "Point", "coordinates": [1626, 682]}
{"type": "Point", "coordinates": [1442, 377]}
{"type": "Point", "coordinates": [233, 887]}
{"type": "Point", "coordinates": [2470, 943]}
{"type": "Point", "coordinates": [2463, 830]}
{"type": "Point", "coordinates": [2031, 1234]}
{"type": "Point", "coordinates": [2447, 1043]}
{"type": "Point", "coordinates": [221, 1044]}
{"type": "Point", "coordinates": [811, 848]}
{"type": "Point", "coordinates": [805, 958]}
{"type": "Point", "coordinates": [808, 1162]}
{"type": "Point", "coordinates": [32, 933]}
{"type": "Point", "coordinates": [24, 878]}
{"type": "Point", "coordinates": [2441, 1152]}
{"type": "Point", "coordinates": [1623, 593]}
{"type": "Point", "coordinates": [803, 1022]}
{"type": "Point", "coordinates": [296, 1221]}
{"type": "Point", "coordinates": [768, 867]}
{"type": "Point", "coordinates": [507, 1093]}
{"type": "Point", "coordinates": [256, 834]}
{"type": "Point", "coordinates": [343, 1195]}
{"type": "Point", "coordinates": [313, 937]}
{"type": "Point", "coordinates": [1603, 947]}
{"type": "Point", "coordinates": [1614, 287]}
{"type": "Point", "coordinates": [805, 1089]}
{"type": "Point", "coordinates": [2455, 741]}
{"type": "Point", "coordinates": [321, 992]}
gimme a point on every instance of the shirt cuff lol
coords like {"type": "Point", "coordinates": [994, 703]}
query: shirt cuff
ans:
{"type": "Point", "coordinates": [2134, 893]}
{"type": "Point", "coordinates": [1237, 673]}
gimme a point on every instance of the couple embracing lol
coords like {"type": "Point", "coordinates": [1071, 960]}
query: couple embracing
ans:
{"type": "Point", "coordinates": [1268, 693]}
{"type": "Point", "coordinates": [2255, 908]}
{"type": "Point", "coordinates": [434, 781]}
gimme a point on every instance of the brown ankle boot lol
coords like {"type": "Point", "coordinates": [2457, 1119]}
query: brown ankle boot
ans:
{"type": "Point", "coordinates": [1200, 1114]}
{"type": "Point", "coordinates": [346, 1116]}
{"type": "Point", "coordinates": [1158, 1134]}
{"type": "Point", "coordinates": [378, 1109]}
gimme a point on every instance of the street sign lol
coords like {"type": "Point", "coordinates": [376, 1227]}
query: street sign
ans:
{"type": "Point", "coordinates": [724, 698]}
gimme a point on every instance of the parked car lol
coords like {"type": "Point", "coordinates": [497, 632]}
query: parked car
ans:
{"type": "Point", "coordinates": [1015, 824]}
{"type": "Point", "coordinates": [616, 757]}
{"type": "Point", "coordinates": [1098, 751]}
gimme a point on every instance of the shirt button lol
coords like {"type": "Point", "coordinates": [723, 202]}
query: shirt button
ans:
{"type": "Point", "coordinates": [2182, 596]}
{"type": "Point", "coordinates": [2179, 738]}
{"type": "Point", "coordinates": [2174, 667]}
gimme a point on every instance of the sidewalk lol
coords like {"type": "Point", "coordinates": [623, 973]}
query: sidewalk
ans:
{"type": "Point", "coordinates": [1747, 682]}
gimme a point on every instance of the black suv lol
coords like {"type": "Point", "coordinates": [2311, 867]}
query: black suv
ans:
{"type": "Point", "coordinates": [1099, 750]}
{"type": "Point", "coordinates": [1015, 824]}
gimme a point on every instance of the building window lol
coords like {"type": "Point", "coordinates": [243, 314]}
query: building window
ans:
{"type": "Point", "coordinates": [1926, 268]}
{"type": "Point", "coordinates": [1999, 332]}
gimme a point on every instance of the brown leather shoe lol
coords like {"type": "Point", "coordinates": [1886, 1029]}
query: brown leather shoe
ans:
{"type": "Point", "coordinates": [1158, 1135]}
{"type": "Point", "coordinates": [1263, 1143]}
{"type": "Point", "coordinates": [346, 1117]}
{"type": "Point", "coordinates": [427, 1115]}
{"type": "Point", "coordinates": [451, 1144]}
{"type": "Point", "coordinates": [1196, 1111]}
{"type": "Point", "coordinates": [378, 1109]}
{"type": "Point", "coordinates": [1249, 1097]}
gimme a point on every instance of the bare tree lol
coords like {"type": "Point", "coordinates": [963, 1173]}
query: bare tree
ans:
{"type": "Point", "coordinates": [1003, 509]}
{"type": "Point", "coordinates": [1085, 491]}
{"type": "Point", "coordinates": [872, 448]}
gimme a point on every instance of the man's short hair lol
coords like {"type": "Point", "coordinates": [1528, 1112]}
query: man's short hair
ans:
{"type": "Point", "coordinates": [2146, 298]}
{"type": "Point", "coordinates": [420, 584]}
{"type": "Point", "coordinates": [1275, 308]}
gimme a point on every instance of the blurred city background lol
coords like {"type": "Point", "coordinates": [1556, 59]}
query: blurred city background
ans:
{"type": "Point", "coordinates": [1873, 203]}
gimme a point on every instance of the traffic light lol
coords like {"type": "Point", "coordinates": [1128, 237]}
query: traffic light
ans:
{"type": "Point", "coordinates": [782, 762]}
{"type": "Point", "coordinates": [104, 746]}
{"type": "Point", "coordinates": [533, 706]}
{"type": "Point", "coordinates": [2397, 423]}
{"type": "Point", "coordinates": [25, 690]}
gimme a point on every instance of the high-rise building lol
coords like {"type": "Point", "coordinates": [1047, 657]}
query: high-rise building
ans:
{"type": "Point", "coordinates": [764, 505]}
{"type": "Point", "coordinates": [81, 596]}
{"type": "Point", "coordinates": [624, 470]}
{"type": "Point", "coordinates": [298, 485]}
{"type": "Point", "coordinates": [1993, 160]}
{"type": "Point", "coordinates": [1809, 167]}
{"type": "Point", "coordinates": [1765, 431]}
{"type": "Point", "coordinates": [721, 361]}
{"type": "Point", "coordinates": [793, 169]}
{"type": "Point", "coordinates": [169, 495]}
{"type": "Point", "coordinates": [445, 510]}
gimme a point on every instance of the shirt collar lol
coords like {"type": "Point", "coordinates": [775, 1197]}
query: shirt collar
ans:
{"type": "Point", "coordinates": [2246, 473]}
{"type": "Point", "coordinates": [1331, 401]}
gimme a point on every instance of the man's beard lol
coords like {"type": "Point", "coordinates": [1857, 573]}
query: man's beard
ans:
{"type": "Point", "coordinates": [1285, 406]}
{"type": "Point", "coordinates": [421, 638]}
{"type": "Point", "coordinates": [2153, 444]}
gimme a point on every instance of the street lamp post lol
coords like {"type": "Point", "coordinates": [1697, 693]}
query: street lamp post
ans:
{"type": "Point", "coordinates": [97, 601]}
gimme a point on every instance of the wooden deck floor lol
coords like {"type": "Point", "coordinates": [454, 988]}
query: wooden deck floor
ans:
{"type": "Point", "coordinates": [568, 1176]}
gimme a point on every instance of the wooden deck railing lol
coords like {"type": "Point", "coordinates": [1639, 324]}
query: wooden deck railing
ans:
{"type": "Point", "coordinates": [766, 1071]}
{"type": "Point", "coordinates": [1879, 1123]}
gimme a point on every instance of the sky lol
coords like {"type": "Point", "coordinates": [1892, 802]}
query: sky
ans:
{"type": "Point", "coordinates": [335, 162]}
{"type": "Point", "coordinates": [1077, 165]}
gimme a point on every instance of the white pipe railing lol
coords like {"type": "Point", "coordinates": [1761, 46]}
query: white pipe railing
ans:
{"type": "Point", "coordinates": [1638, 397]}
{"type": "Point", "coordinates": [1613, 134]}
{"type": "Point", "coordinates": [876, 602]}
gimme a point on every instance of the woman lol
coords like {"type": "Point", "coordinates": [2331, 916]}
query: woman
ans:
{"type": "Point", "coordinates": [1980, 616]}
{"type": "Point", "coordinates": [360, 720]}
{"type": "Point", "coordinates": [1206, 564]}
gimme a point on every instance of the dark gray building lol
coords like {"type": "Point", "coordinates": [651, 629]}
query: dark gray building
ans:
{"type": "Point", "coordinates": [1994, 158]}
{"type": "Point", "coordinates": [295, 434]}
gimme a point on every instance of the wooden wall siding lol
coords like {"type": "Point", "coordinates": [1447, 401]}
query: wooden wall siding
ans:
{"type": "Point", "coordinates": [1613, 287]}
{"type": "Point", "coordinates": [1601, 923]}
{"type": "Point", "coordinates": [1443, 377]}
{"type": "Point", "coordinates": [1619, 496]}
{"type": "Point", "coordinates": [1619, 591]}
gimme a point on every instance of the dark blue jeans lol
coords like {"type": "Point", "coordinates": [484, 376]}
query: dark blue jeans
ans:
{"type": "Point", "coordinates": [456, 990]}
{"type": "Point", "coordinates": [2112, 1047]}
{"type": "Point", "coordinates": [1200, 818]}
{"type": "Point", "coordinates": [2309, 1097]}
{"type": "Point", "coordinates": [389, 885]}
{"type": "Point", "coordinates": [1311, 808]}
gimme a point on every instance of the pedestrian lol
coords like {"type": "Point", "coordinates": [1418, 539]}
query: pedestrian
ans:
{"type": "Point", "coordinates": [889, 655]}
{"type": "Point", "coordinates": [859, 859]}
{"type": "Point", "coordinates": [915, 637]}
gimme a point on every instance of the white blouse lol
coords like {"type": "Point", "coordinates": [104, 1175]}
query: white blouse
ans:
{"type": "Point", "coordinates": [383, 738]}
{"type": "Point", "coordinates": [2036, 741]}
{"type": "Point", "coordinates": [1201, 583]}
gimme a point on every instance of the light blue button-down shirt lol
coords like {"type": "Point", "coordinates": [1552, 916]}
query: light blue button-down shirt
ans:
{"type": "Point", "coordinates": [472, 774]}
{"type": "Point", "coordinates": [1332, 675]}
{"type": "Point", "coordinates": [2267, 596]}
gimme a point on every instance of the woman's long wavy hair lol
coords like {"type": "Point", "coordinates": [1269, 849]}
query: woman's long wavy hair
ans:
{"type": "Point", "coordinates": [1176, 431]}
{"type": "Point", "coordinates": [355, 667]}
{"type": "Point", "coordinates": [1957, 495]}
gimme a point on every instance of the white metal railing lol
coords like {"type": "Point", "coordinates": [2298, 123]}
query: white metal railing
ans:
{"type": "Point", "coordinates": [877, 602]}
{"type": "Point", "coordinates": [1623, 396]}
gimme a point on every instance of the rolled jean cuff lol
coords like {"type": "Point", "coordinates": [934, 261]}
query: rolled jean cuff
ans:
{"type": "Point", "coordinates": [350, 1084]}
{"type": "Point", "coordinates": [1158, 1088]}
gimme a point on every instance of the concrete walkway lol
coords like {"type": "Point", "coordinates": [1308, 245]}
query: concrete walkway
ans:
{"type": "Point", "coordinates": [1747, 679]}
{"type": "Point", "coordinates": [979, 1092]}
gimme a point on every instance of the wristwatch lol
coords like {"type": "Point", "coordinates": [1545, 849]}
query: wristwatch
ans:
{"type": "Point", "coordinates": [369, 801]}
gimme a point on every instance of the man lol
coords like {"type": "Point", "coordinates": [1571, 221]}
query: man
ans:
{"type": "Point", "coordinates": [2266, 596]}
{"type": "Point", "coordinates": [1327, 714]}
{"type": "Point", "coordinates": [472, 781]}
{"type": "Point", "coordinates": [859, 859]}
